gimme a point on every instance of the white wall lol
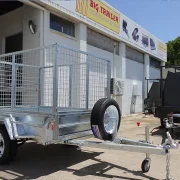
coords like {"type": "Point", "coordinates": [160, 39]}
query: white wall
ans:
{"type": "Point", "coordinates": [99, 52]}
{"type": "Point", "coordinates": [11, 23]}
{"type": "Point", "coordinates": [104, 54]}
{"type": "Point", "coordinates": [31, 40]}
{"type": "Point", "coordinates": [154, 73]}
{"type": "Point", "coordinates": [134, 75]}
{"type": "Point", "coordinates": [98, 74]}
{"type": "Point", "coordinates": [18, 21]}
{"type": "Point", "coordinates": [57, 37]}
{"type": "Point", "coordinates": [54, 37]}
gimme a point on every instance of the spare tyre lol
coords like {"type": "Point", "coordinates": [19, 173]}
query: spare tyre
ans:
{"type": "Point", "coordinates": [105, 119]}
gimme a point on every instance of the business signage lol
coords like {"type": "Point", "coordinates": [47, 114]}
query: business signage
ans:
{"type": "Point", "coordinates": [100, 13]}
{"type": "Point", "coordinates": [135, 34]}
{"type": "Point", "coordinates": [162, 49]}
{"type": "Point", "coordinates": [124, 28]}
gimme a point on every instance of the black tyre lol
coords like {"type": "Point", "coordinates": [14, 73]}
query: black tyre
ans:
{"type": "Point", "coordinates": [145, 166]}
{"type": "Point", "coordinates": [8, 147]}
{"type": "Point", "coordinates": [105, 119]}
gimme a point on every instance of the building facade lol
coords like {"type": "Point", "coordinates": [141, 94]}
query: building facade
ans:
{"type": "Point", "coordinates": [92, 26]}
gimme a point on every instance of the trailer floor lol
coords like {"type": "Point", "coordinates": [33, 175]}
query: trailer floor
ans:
{"type": "Point", "coordinates": [67, 163]}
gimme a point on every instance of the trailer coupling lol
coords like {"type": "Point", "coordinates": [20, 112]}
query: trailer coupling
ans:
{"type": "Point", "coordinates": [124, 144]}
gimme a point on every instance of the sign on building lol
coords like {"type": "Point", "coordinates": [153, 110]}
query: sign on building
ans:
{"type": "Point", "coordinates": [100, 13]}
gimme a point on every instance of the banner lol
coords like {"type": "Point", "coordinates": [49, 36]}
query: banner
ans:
{"type": "Point", "coordinates": [100, 13]}
{"type": "Point", "coordinates": [162, 49]}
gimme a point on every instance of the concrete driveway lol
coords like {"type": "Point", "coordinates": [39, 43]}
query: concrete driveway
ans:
{"type": "Point", "coordinates": [53, 162]}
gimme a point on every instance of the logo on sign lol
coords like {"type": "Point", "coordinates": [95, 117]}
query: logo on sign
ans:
{"type": "Point", "coordinates": [100, 13]}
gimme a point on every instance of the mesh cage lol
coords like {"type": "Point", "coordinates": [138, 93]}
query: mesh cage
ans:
{"type": "Point", "coordinates": [53, 76]}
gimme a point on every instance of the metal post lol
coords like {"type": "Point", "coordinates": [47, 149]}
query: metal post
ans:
{"type": "Point", "coordinates": [55, 80]}
{"type": "Point", "coordinates": [42, 69]}
{"type": "Point", "coordinates": [161, 84]}
{"type": "Point", "coordinates": [55, 93]}
{"type": "Point", "coordinates": [108, 79]}
{"type": "Point", "coordinates": [168, 165]}
{"type": "Point", "coordinates": [147, 87]}
{"type": "Point", "coordinates": [114, 60]}
{"type": "Point", "coordinates": [70, 85]}
{"type": "Point", "coordinates": [87, 81]}
{"type": "Point", "coordinates": [13, 83]}
{"type": "Point", "coordinates": [40, 87]}
{"type": "Point", "coordinates": [147, 140]}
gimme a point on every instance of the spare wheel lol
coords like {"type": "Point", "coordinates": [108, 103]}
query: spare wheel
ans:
{"type": "Point", "coordinates": [105, 119]}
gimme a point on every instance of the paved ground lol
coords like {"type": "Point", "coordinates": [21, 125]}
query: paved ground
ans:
{"type": "Point", "coordinates": [66, 163]}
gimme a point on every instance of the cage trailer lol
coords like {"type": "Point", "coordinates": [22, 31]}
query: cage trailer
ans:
{"type": "Point", "coordinates": [57, 94]}
{"type": "Point", "coordinates": [163, 97]}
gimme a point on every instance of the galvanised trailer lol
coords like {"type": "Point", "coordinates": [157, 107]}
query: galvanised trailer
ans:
{"type": "Point", "coordinates": [57, 94]}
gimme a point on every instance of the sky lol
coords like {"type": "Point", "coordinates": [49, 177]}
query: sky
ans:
{"type": "Point", "coordinates": [159, 17]}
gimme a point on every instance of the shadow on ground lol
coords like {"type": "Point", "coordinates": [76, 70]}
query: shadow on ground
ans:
{"type": "Point", "coordinates": [158, 131]}
{"type": "Point", "coordinates": [33, 161]}
{"type": "Point", "coordinates": [101, 168]}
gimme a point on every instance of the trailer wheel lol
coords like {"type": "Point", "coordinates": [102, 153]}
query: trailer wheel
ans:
{"type": "Point", "coordinates": [105, 119]}
{"type": "Point", "coordinates": [145, 166]}
{"type": "Point", "coordinates": [8, 147]}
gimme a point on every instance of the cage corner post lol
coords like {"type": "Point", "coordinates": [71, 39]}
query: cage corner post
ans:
{"type": "Point", "coordinates": [55, 91]}
{"type": "Point", "coordinates": [87, 81]}
{"type": "Point", "coordinates": [13, 83]}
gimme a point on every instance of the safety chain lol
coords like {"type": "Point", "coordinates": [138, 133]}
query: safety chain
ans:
{"type": "Point", "coordinates": [168, 166]}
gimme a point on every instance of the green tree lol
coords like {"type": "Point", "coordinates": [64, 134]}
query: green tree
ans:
{"type": "Point", "coordinates": [173, 52]}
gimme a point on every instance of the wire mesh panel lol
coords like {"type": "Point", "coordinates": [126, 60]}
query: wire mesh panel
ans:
{"type": "Point", "coordinates": [5, 84]}
{"type": "Point", "coordinates": [64, 86]}
{"type": "Point", "coordinates": [21, 78]}
{"type": "Point", "coordinates": [98, 79]}
{"type": "Point", "coordinates": [72, 78]}
{"type": "Point", "coordinates": [27, 85]}
{"type": "Point", "coordinates": [83, 78]}
{"type": "Point", "coordinates": [46, 76]}
{"type": "Point", "coordinates": [52, 76]}
{"type": "Point", "coordinates": [47, 73]}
